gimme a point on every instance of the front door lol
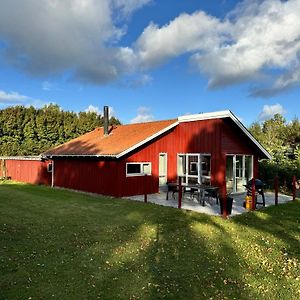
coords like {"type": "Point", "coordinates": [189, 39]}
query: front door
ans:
{"type": "Point", "coordinates": [163, 169]}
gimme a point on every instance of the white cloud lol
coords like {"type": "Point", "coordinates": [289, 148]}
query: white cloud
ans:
{"type": "Point", "coordinates": [93, 109]}
{"type": "Point", "coordinates": [255, 37]}
{"type": "Point", "coordinates": [78, 36]}
{"type": "Point", "coordinates": [13, 98]}
{"type": "Point", "coordinates": [82, 37]}
{"type": "Point", "coordinates": [185, 33]}
{"type": "Point", "coordinates": [127, 7]}
{"type": "Point", "coordinates": [47, 86]}
{"type": "Point", "coordinates": [134, 82]}
{"type": "Point", "coordinates": [284, 82]}
{"type": "Point", "coordinates": [143, 115]}
{"type": "Point", "coordinates": [98, 111]}
{"type": "Point", "coordinates": [111, 112]}
{"type": "Point", "coordinates": [269, 111]}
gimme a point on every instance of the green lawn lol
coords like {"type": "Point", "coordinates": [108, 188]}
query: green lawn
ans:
{"type": "Point", "coordinates": [56, 244]}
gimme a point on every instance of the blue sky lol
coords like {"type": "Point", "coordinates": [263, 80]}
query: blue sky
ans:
{"type": "Point", "coordinates": [150, 59]}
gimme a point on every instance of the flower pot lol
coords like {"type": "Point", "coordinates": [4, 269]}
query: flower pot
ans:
{"type": "Point", "coordinates": [229, 201]}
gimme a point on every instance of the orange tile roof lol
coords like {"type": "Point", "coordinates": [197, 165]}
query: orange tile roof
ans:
{"type": "Point", "coordinates": [120, 139]}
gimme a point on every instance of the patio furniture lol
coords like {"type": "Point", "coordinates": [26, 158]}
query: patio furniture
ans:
{"type": "Point", "coordinates": [173, 187]}
{"type": "Point", "coordinates": [212, 193]}
{"type": "Point", "coordinates": [207, 191]}
{"type": "Point", "coordinates": [194, 189]}
{"type": "Point", "coordinates": [190, 190]}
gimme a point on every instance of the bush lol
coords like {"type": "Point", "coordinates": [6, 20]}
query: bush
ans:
{"type": "Point", "coordinates": [285, 172]}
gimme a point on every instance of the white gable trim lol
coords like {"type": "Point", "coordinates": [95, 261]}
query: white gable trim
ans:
{"type": "Point", "coordinates": [205, 116]}
{"type": "Point", "coordinates": [182, 119]}
{"type": "Point", "coordinates": [147, 139]}
{"type": "Point", "coordinates": [220, 115]}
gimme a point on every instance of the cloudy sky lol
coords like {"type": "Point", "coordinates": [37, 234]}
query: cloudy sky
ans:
{"type": "Point", "coordinates": [151, 59]}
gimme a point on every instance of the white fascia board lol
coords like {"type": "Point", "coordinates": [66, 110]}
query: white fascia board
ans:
{"type": "Point", "coordinates": [77, 155]}
{"type": "Point", "coordinates": [147, 139]}
{"type": "Point", "coordinates": [21, 157]}
{"type": "Point", "coordinates": [204, 116]}
{"type": "Point", "coordinates": [220, 115]}
{"type": "Point", "coordinates": [250, 136]}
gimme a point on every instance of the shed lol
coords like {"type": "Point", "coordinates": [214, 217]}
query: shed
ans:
{"type": "Point", "coordinates": [28, 169]}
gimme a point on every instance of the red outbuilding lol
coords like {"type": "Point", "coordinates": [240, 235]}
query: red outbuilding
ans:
{"type": "Point", "coordinates": [28, 169]}
{"type": "Point", "coordinates": [211, 148]}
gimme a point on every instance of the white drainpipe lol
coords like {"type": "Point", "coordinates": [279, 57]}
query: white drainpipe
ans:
{"type": "Point", "coordinates": [52, 181]}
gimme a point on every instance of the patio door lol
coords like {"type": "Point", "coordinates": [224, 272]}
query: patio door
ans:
{"type": "Point", "coordinates": [239, 170]}
{"type": "Point", "coordinates": [163, 169]}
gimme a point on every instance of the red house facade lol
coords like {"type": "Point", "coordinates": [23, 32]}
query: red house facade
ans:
{"type": "Point", "coordinates": [212, 148]}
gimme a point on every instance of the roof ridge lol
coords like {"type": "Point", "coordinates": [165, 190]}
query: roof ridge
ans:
{"type": "Point", "coordinates": [146, 122]}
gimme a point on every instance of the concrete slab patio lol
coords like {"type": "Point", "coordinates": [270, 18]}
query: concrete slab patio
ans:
{"type": "Point", "coordinates": [210, 207]}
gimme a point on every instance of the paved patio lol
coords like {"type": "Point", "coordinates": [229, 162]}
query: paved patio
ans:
{"type": "Point", "coordinates": [210, 207]}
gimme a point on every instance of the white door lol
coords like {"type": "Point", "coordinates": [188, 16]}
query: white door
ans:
{"type": "Point", "coordinates": [163, 168]}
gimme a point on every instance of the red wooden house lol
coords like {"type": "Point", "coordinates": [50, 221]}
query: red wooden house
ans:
{"type": "Point", "coordinates": [212, 148]}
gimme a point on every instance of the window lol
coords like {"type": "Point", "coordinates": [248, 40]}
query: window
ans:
{"type": "Point", "coordinates": [248, 167]}
{"type": "Point", "coordinates": [138, 169]}
{"type": "Point", "coordinates": [205, 165]}
{"type": "Point", "coordinates": [205, 169]}
{"type": "Point", "coordinates": [239, 166]}
{"type": "Point", "coordinates": [193, 168]}
{"type": "Point", "coordinates": [49, 168]}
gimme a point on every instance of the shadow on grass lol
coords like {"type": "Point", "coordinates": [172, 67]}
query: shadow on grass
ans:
{"type": "Point", "coordinates": [282, 222]}
{"type": "Point", "coordinates": [61, 244]}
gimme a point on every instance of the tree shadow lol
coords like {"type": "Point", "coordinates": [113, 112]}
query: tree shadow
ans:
{"type": "Point", "coordinates": [273, 220]}
{"type": "Point", "coordinates": [110, 248]}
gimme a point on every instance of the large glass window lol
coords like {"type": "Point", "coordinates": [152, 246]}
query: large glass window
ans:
{"type": "Point", "coordinates": [194, 167]}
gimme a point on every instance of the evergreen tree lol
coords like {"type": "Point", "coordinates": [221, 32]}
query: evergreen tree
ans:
{"type": "Point", "coordinates": [31, 131]}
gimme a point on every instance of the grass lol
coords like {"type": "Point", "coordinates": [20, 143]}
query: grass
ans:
{"type": "Point", "coordinates": [63, 245]}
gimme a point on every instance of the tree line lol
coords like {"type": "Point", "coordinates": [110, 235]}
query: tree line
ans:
{"type": "Point", "coordinates": [282, 140]}
{"type": "Point", "coordinates": [31, 131]}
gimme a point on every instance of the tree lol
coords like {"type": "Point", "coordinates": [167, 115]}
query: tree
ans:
{"type": "Point", "coordinates": [31, 131]}
{"type": "Point", "coordinates": [282, 140]}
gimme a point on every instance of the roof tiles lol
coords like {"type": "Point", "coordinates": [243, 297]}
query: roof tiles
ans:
{"type": "Point", "coordinates": [119, 139]}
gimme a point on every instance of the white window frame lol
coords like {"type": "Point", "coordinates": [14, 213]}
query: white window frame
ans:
{"type": "Point", "coordinates": [166, 156]}
{"type": "Point", "coordinates": [199, 176]}
{"type": "Point", "coordinates": [141, 164]}
{"type": "Point", "coordinates": [243, 168]}
{"type": "Point", "coordinates": [48, 168]}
